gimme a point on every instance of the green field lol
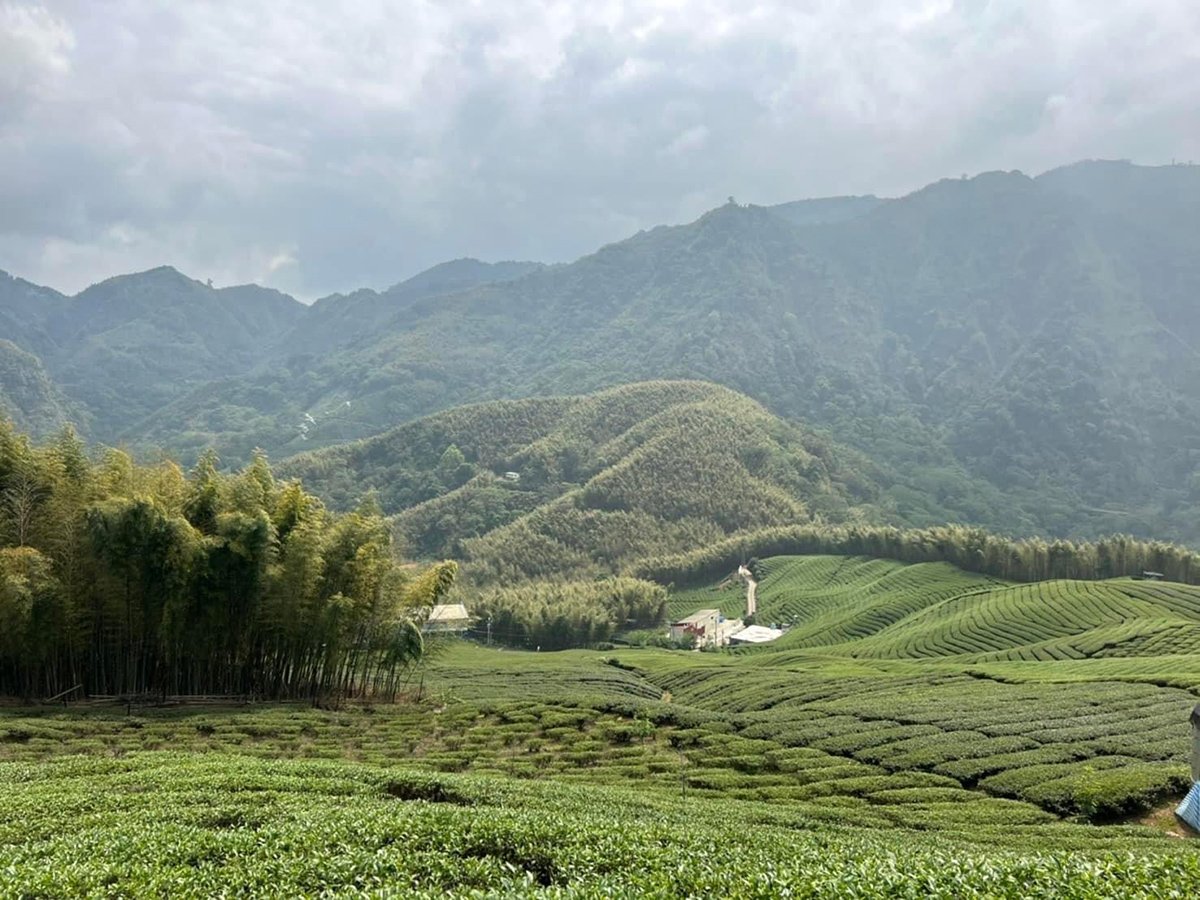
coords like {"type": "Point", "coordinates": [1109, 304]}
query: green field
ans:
{"type": "Point", "coordinates": [919, 731]}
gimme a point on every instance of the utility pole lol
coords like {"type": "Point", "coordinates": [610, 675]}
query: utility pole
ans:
{"type": "Point", "coordinates": [489, 632]}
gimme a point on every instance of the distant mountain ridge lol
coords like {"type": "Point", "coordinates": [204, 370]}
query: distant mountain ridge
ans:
{"type": "Point", "coordinates": [1017, 352]}
{"type": "Point", "coordinates": [126, 347]}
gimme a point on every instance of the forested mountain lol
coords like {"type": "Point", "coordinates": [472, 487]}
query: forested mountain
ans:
{"type": "Point", "coordinates": [127, 347]}
{"type": "Point", "coordinates": [28, 396]}
{"type": "Point", "coordinates": [1022, 352]}
{"type": "Point", "coordinates": [25, 311]}
{"type": "Point", "coordinates": [580, 484]}
{"type": "Point", "coordinates": [342, 319]}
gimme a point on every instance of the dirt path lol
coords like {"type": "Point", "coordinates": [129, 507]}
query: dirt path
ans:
{"type": "Point", "coordinates": [1163, 818]}
{"type": "Point", "coordinates": [751, 590]}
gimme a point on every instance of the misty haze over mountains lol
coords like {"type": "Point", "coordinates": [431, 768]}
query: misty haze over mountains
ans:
{"type": "Point", "coordinates": [1012, 351]}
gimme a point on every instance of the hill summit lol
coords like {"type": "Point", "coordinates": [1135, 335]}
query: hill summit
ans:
{"type": "Point", "coordinates": [581, 484]}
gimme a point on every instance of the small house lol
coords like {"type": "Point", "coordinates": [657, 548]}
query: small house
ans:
{"type": "Point", "coordinates": [447, 618]}
{"type": "Point", "coordinates": [706, 628]}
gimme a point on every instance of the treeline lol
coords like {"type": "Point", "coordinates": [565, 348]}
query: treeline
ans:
{"type": "Point", "coordinates": [971, 549]}
{"type": "Point", "coordinates": [122, 579]}
{"type": "Point", "coordinates": [558, 615]}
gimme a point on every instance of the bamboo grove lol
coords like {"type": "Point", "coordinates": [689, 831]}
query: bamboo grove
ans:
{"type": "Point", "coordinates": [971, 549]}
{"type": "Point", "coordinates": [122, 579]}
{"type": "Point", "coordinates": [558, 615]}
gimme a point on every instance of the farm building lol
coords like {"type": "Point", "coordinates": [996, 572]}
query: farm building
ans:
{"type": "Point", "coordinates": [707, 627]}
{"type": "Point", "coordinates": [755, 634]}
{"type": "Point", "coordinates": [447, 617]}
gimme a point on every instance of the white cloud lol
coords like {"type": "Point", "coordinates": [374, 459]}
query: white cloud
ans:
{"type": "Point", "coordinates": [35, 48]}
{"type": "Point", "coordinates": [370, 139]}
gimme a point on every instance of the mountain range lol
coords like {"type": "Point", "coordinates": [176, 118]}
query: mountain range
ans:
{"type": "Point", "coordinates": [1018, 352]}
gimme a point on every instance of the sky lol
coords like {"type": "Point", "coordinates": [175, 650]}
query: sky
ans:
{"type": "Point", "coordinates": [318, 147]}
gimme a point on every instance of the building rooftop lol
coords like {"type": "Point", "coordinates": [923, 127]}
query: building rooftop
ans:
{"type": "Point", "coordinates": [700, 615]}
{"type": "Point", "coordinates": [448, 612]}
{"type": "Point", "coordinates": [756, 634]}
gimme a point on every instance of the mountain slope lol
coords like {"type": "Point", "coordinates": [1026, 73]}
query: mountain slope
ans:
{"type": "Point", "coordinates": [123, 348]}
{"type": "Point", "coordinates": [595, 480]}
{"type": "Point", "coordinates": [992, 340]}
{"type": "Point", "coordinates": [25, 312]}
{"type": "Point", "coordinates": [338, 320]}
{"type": "Point", "coordinates": [1021, 353]}
{"type": "Point", "coordinates": [28, 396]}
{"type": "Point", "coordinates": [131, 344]}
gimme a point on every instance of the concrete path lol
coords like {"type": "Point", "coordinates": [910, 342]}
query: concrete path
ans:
{"type": "Point", "coordinates": [751, 590]}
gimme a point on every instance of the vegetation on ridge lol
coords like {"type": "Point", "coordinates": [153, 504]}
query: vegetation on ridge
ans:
{"type": "Point", "coordinates": [972, 549]}
{"type": "Point", "coordinates": [598, 481]}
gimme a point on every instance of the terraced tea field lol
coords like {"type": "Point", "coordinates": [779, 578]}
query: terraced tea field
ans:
{"type": "Point", "coordinates": [186, 825]}
{"type": "Point", "coordinates": [919, 731]}
{"type": "Point", "coordinates": [856, 607]}
{"type": "Point", "coordinates": [1070, 695]}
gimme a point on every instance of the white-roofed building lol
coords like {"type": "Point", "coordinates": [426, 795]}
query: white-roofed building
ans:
{"type": "Point", "coordinates": [755, 634]}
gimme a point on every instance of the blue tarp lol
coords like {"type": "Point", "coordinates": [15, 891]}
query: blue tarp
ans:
{"type": "Point", "coordinates": [1189, 809]}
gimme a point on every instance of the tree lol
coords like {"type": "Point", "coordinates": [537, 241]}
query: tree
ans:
{"type": "Point", "coordinates": [130, 578]}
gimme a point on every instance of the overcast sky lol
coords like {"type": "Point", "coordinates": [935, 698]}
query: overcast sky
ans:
{"type": "Point", "coordinates": [315, 146]}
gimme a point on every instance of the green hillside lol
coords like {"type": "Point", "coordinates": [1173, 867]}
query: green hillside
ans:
{"type": "Point", "coordinates": [128, 347]}
{"type": "Point", "coordinates": [123, 348]}
{"type": "Point", "coordinates": [1017, 352]}
{"type": "Point", "coordinates": [861, 608]}
{"type": "Point", "coordinates": [1013, 349]}
{"type": "Point", "coordinates": [1071, 695]}
{"type": "Point", "coordinates": [600, 479]}
{"type": "Point", "coordinates": [29, 397]}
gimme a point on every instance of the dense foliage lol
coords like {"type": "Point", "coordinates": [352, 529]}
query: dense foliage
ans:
{"type": "Point", "coordinates": [972, 549]}
{"type": "Point", "coordinates": [556, 615]}
{"type": "Point", "coordinates": [580, 485]}
{"type": "Point", "coordinates": [119, 578]}
{"type": "Point", "coordinates": [28, 396]}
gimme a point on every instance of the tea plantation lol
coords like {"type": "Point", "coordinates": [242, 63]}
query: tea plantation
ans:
{"type": "Point", "coordinates": [918, 731]}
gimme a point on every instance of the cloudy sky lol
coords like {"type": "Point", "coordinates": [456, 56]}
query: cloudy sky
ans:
{"type": "Point", "coordinates": [316, 147]}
